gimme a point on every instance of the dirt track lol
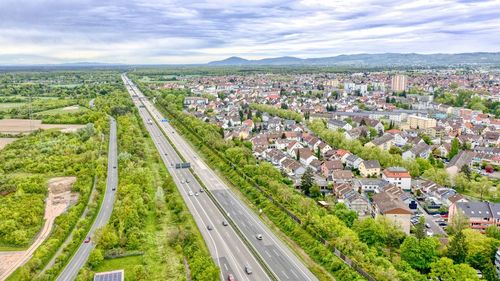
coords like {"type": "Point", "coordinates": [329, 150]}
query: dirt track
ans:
{"type": "Point", "coordinates": [6, 141]}
{"type": "Point", "coordinates": [59, 199]}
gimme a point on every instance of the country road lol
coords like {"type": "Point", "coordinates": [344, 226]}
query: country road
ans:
{"type": "Point", "coordinates": [80, 257]}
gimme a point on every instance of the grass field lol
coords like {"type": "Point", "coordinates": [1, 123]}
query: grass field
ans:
{"type": "Point", "coordinates": [126, 263]}
{"type": "Point", "coordinates": [63, 110]}
{"type": "Point", "coordinates": [9, 105]}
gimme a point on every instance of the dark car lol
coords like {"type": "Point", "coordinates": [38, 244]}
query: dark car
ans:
{"type": "Point", "coordinates": [209, 227]}
{"type": "Point", "coordinates": [224, 223]}
{"type": "Point", "coordinates": [87, 240]}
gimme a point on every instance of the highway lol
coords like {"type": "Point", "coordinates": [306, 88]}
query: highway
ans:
{"type": "Point", "coordinates": [80, 257]}
{"type": "Point", "coordinates": [227, 249]}
{"type": "Point", "coordinates": [279, 258]}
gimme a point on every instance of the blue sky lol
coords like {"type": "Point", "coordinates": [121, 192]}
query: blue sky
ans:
{"type": "Point", "coordinates": [171, 31]}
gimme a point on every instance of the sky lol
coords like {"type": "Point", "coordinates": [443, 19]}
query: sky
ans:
{"type": "Point", "coordinates": [195, 31]}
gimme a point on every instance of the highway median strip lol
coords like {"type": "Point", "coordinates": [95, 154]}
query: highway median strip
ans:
{"type": "Point", "coordinates": [259, 258]}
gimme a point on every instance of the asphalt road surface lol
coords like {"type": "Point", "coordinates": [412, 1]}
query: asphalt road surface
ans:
{"type": "Point", "coordinates": [282, 261]}
{"type": "Point", "coordinates": [80, 258]}
{"type": "Point", "coordinates": [229, 252]}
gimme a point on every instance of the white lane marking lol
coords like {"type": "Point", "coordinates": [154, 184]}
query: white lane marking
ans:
{"type": "Point", "coordinates": [285, 274]}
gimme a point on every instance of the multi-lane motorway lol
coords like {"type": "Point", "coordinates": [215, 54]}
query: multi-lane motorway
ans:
{"type": "Point", "coordinates": [80, 258]}
{"type": "Point", "coordinates": [225, 246]}
{"type": "Point", "coordinates": [275, 254]}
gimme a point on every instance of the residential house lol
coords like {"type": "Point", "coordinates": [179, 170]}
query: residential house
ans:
{"type": "Point", "coordinates": [463, 157]}
{"type": "Point", "coordinates": [342, 176]}
{"type": "Point", "coordinates": [421, 150]}
{"type": "Point", "coordinates": [393, 208]}
{"type": "Point", "coordinates": [398, 176]}
{"type": "Point", "coordinates": [384, 142]}
{"type": "Point", "coordinates": [371, 185]}
{"type": "Point", "coordinates": [369, 168]}
{"type": "Point", "coordinates": [334, 124]}
{"type": "Point", "coordinates": [353, 161]}
{"type": "Point", "coordinates": [329, 166]}
{"type": "Point", "coordinates": [305, 156]}
{"type": "Point", "coordinates": [292, 167]}
{"type": "Point", "coordinates": [480, 215]}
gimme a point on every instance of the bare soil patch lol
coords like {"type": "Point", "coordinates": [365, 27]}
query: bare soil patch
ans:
{"type": "Point", "coordinates": [20, 126]}
{"type": "Point", "coordinates": [60, 198]}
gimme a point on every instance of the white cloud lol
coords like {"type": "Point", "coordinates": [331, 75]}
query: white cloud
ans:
{"type": "Point", "coordinates": [176, 31]}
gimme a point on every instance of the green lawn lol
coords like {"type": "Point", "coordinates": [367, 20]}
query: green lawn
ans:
{"type": "Point", "coordinates": [126, 263]}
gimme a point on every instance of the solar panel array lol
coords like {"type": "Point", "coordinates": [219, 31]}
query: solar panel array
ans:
{"type": "Point", "coordinates": [109, 276]}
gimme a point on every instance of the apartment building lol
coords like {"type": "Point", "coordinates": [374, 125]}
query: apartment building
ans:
{"type": "Point", "coordinates": [419, 122]}
{"type": "Point", "coordinates": [399, 83]}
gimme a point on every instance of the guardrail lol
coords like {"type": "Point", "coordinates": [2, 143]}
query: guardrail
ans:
{"type": "Point", "coordinates": [238, 231]}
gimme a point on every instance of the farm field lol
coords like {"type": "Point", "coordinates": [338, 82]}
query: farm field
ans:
{"type": "Point", "coordinates": [20, 126]}
{"type": "Point", "coordinates": [6, 106]}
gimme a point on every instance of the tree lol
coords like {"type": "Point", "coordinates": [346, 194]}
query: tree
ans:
{"type": "Point", "coordinates": [457, 249]}
{"type": "Point", "coordinates": [307, 181]}
{"type": "Point", "coordinates": [458, 223]}
{"type": "Point", "coordinates": [395, 150]}
{"type": "Point", "coordinates": [466, 170]}
{"type": "Point", "coordinates": [420, 228]}
{"type": "Point", "coordinates": [371, 232]}
{"type": "Point", "coordinates": [483, 187]}
{"type": "Point", "coordinates": [455, 147]}
{"type": "Point", "coordinates": [445, 270]}
{"type": "Point", "coordinates": [315, 191]}
{"type": "Point", "coordinates": [345, 214]}
{"type": "Point", "coordinates": [318, 153]}
{"type": "Point", "coordinates": [419, 253]}
{"type": "Point", "coordinates": [95, 258]}
{"type": "Point", "coordinates": [240, 112]}
{"type": "Point", "coordinates": [493, 231]}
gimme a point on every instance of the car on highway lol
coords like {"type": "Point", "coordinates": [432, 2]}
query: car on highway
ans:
{"type": "Point", "coordinates": [201, 190]}
{"type": "Point", "coordinates": [248, 269]}
{"type": "Point", "coordinates": [114, 167]}
{"type": "Point", "coordinates": [209, 227]}
{"type": "Point", "coordinates": [187, 180]}
{"type": "Point", "coordinates": [196, 194]}
{"type": "Point", "coordinates": [87, 240]}
{"type": "Point", "coordinates": [182, 181]}
{"type": "Point", "coordinates": [258, 236]}
{"type": "Point", "coordinates": [230, 277]}
{"type": "Point", "coordinates": [190, 193]}
{"type": "Point", "coordinates": [224, 223]}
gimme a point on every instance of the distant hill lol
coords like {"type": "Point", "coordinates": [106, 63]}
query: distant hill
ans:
{"type": "Point", "coordinates": [387, 59]}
